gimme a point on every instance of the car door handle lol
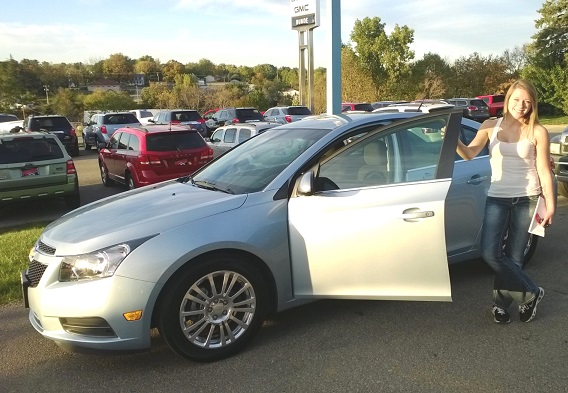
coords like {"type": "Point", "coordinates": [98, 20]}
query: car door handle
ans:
{"type": "Point", "coordinates": [413, 214]}
{"type": "Point", "coordinates": [477, 179]}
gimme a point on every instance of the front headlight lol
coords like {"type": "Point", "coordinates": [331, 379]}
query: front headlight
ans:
{"type": "Point", "coordinates": [94, 265]}
{"type": "Point", "coordinates": [555, 148]}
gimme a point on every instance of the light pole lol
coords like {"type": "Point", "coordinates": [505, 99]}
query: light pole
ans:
{"type": "Point", "coordinates": [46, 88]}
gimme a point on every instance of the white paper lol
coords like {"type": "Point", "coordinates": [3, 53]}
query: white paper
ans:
{"type": "Point", "coordinates": [539, 212]}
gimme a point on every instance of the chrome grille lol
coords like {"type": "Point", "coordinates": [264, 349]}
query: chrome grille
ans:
{"type": "Point", "coordinates": [35, 271]}
{"type": "Point", "coordinates": [45, 249]}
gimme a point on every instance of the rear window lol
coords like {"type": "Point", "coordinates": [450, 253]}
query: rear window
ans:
{"type": "Point", "coordinates": [145, 114]}
{"type": "Point", "coordinates": [173, 141]}
{"type": "Point", "coordinates": [49, 124]}
{"type": "Point", "coordinates": [299, 110]}
{"type": "Point", "coordinates": [363, 107]}
{"type": "Point", "coordinates": [249, 114]}
{"type": "Point", "coordinates": [22, 150]}
{"type": "Point", "coordinates": [186, 116]}
{"type": "Point", "coordinates": [121, 118]}
{"type": "Point", "coordinates": [499, 98]}
{"type": "Point", "coordinates": [478, 103]}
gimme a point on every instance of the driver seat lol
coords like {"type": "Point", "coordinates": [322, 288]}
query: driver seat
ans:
{"type": "Point", "coordinates": [374, 169]}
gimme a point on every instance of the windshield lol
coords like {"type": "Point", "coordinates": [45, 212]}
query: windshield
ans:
{"type": "Point", "coordinates": [251, 166]}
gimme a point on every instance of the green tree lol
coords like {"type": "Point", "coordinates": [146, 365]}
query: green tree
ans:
{"type": "Point", "coordinates": [429, 77]}
{"type": "Point", "coordinates": [385, 57]}
{"type": "Point", "coordinates": [68, 103]}
{"type": "Point", "coordinates": [108, 101]}
{"type": "Point", "coordinates": [547, 55]}
{"type": "Point", "coordinates": [356, 83]}
{"type": "Point", "coordinates": [147, 66]}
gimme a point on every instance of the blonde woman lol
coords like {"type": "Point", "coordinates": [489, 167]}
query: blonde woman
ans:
{"type": "Point", "coordinates": [520, 164]}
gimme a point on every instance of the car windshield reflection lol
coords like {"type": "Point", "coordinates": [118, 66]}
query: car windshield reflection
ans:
{"type": "Point", "coordinates": [252, 165]}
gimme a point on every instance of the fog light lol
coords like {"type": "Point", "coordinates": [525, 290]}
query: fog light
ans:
{"type": "Point", "coordinates": [133, 315]}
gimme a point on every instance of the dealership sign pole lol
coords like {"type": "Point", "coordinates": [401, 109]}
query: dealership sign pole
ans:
{"type": "Point", "coordinates": [305, 18]}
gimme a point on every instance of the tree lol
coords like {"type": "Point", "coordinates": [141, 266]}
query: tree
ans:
{"type": "Point", "coordinates": [356, 84]}
{"type": "Point", "coordinates": [68, 103]}
{"type": "Point", "coordinates": [108, 101]}
{"type": "Point", "coordinates": [118, 67]}
{"type": "Point", "coordinates": [385, 57]}
{"type": "Point", "coordinates": [171, 69]}
{"type": "Point", "coordinates": [147, 65]}
{"type": "Point", "coordinates": [429, 77]}
{"type": "Point", "coordinates": [547, 55]}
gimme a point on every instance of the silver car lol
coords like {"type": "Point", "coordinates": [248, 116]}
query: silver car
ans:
{"type": "Point", "coordinates": [369, 206]}
{"type": "Point", "coordinates": [226, 137]}
{"type": "Point", "coordinates": [287, 114]}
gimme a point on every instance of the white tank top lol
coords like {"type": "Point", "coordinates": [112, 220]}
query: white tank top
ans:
{"type": "Point", "coordinates": [513, 167]}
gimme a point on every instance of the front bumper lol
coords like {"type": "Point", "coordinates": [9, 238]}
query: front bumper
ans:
{"type": "Point", "coordinates": [88, 314]}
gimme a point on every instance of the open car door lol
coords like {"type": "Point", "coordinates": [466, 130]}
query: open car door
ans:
{"type": "Point", "coordinates": [367, 222]}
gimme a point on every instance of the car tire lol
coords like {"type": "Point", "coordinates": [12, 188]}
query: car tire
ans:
{"type": "Point", "coordinates": [87, 146]}
{"type": "Point", "coordinates": [563, 189]}
{"type": "Point", "coordinates": [129, 181]}
{"type": "Point", "coordinates": [213, 308]}
{"type": "Point", "coordinates": [107, 181]}
{"type": "Point", "coordinates": [530, 249]}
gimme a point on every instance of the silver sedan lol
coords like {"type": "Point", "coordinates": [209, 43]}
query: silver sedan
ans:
{"type": "Point", "coordinates": [369, 206]}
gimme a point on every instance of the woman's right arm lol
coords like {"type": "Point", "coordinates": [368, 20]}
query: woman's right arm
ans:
{"type": "Point", "coordinates": [467, 152]}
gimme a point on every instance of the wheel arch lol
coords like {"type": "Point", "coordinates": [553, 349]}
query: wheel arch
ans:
{"type": "Point", "coordinates": [203, 258]}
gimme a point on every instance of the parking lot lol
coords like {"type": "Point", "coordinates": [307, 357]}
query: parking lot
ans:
{"type": "Point", "coordinates": [327, 345]}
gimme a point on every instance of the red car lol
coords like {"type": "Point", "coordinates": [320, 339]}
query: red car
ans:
{"type": "Point", "coordinates": [141, 156]}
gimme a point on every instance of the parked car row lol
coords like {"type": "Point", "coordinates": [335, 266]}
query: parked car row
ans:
{"type": "Point", "coordinates": [268, 226]}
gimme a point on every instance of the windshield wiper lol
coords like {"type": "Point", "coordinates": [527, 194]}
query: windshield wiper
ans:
{"type": "Point", "coordinates": [211, 186]}
{"type": "Point", "coordinates": [186, 179]}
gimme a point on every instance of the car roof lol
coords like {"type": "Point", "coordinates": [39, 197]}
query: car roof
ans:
{"type": "Point", "coordinates": [155, 128]}
{"type": "Point", "coordinates": [417, 107]}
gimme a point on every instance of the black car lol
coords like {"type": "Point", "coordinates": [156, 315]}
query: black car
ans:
{"type": "Point", "coordinates": [473, 108]}
{"type": "Point", "coordinates": [228, 116]}
{"type": "Point", "coordinates": [188, 117]}
{"type": "Point", "coordinates": [57, 125]}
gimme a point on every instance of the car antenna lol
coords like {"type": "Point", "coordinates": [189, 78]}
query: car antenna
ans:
{"type": "Point", "coordinates": [421, 102]}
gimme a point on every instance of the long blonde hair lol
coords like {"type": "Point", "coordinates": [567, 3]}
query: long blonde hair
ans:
{"type": "Point", "coordinates": [530, 119]}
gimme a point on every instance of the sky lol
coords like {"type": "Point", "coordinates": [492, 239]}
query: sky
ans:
{"type": "Point", "coordinates": [249, 32]}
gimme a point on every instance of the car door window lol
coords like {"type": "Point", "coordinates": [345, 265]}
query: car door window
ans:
{"type": "Point", "coordinates": [133, 143]}
{"type": "Point", "coordinates": [405, 154]}
{"type": "Point", "coordinates": [244, 134]}
{"type": "Point", "coordinates": [113, 142]}
{"type": "Point", "coordinates": [230, 135]}
{"type": "Point", "coordinates": [217, 136]}
{"type": "Point", "coordinates": [123, 141]}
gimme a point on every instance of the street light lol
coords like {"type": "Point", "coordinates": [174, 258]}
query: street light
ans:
{"type": "Point", "coordinates": [46, 88]}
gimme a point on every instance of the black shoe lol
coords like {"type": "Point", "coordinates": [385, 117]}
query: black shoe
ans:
{"type": "Point", "coordinates": [527, 311]}
{"type": "Point", "coordinates": [500, 315]}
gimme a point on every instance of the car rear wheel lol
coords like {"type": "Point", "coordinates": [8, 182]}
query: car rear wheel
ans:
{"type": "Point", "coordinates": [530, 247]}
{"type": "Point", "coordinates": [129, 181]}
{"type": "Point", "coordinates": [107, 182]}
{"type": "Point", "coordinates": [213, 309]}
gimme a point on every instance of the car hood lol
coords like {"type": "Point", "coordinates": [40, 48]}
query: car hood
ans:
{"type": "Point", "coordinates": [136, 214]}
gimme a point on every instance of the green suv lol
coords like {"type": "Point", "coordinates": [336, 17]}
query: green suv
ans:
{"type": "Point", "coordinates": [36, 165]}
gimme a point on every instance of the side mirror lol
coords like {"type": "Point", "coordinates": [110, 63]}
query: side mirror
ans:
{"type": "Point", "coordinates": [306, 184]}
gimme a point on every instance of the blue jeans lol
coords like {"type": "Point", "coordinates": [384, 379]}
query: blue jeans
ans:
{"type": "Point", "coordinates": [512, 215]}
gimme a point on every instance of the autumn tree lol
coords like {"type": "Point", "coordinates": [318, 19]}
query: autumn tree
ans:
{"type": "Point", "coordinates": [68, 103]}
{"type": "Point", "coordinates": [171, 69]}
{"type": "Point", "coordinates": [118, 67]}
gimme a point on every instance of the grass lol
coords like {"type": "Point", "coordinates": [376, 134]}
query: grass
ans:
{"type": "Point", "coordinates": [553, 120]}
{"type": "Point", "coordinates": [15, 245]}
